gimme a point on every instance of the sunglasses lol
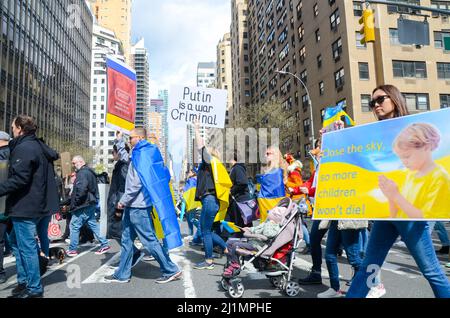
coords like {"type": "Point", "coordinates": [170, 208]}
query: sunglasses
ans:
{"type": "Point", "coordinates": [379, 100]}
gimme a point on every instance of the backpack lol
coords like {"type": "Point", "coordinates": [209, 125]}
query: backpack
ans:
{"type": "Point", "coordinates": [251, 189]}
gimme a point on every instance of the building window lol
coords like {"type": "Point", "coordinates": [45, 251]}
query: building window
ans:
{"type": "Point", "coordinates": [363, 70]}
{"type": "Point", "coordinates": [339, 78]}
{"type": "Point", "coordinates": [365, 100]}
{"type": "Point", "coordinates": [438, 39]}
{"type": "Point", "coordinates": [111, 134]}
{"type": "Point", "coordinates": [445, 100]}
{"type": "Point", "coordinates": [393, 37]}
{"type": "Point", "coordinates": [304, 76]}
{"type": "Point", "coordinates": [409, 69]}
{"type": "Point", "coordinates": [321, 88]}
{"type": "Point", "coordinates": [306, 126]}
{"type": "Point", "coordinates": [335, 20]}
{"type": "Point", "coordinates": [360, 45]}
{"type": "Point", "coordinates": [357, 9]}
{"type": "Point", "coordinates": [417, 102]}
{"type": "Point", "coordinates": [337, 49]}
{"type": "Point", "coordinates": [305, 102]}
{"type": "Point", "coordinates": [303, 54]}
{"type": "Point", "coordinates": [319, 61]}
{"type": "Point", "coordinates": [301, 32]}
{"type": "Point", "coordinates": [102, 134]}
{"type": "Point", "coordinates": [443, 70]}
{"type": "Point", "coordinates": [318, 35]}
{"type": "Point", "coordinates": [94, 134]}
{"type": "Point", "coordinates": [316, 10]}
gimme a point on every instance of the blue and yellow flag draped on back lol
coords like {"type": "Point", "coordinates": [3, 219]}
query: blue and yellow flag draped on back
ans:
{"type": "Point", "coordinates": [189, 194]}
{"type": "Point", "coordinates": [155, 178]}
{"type": "Point", "coordinates": [223, 185]}
{"type": "Point", "coordinates": [271, 192]}
{"type": "Point", "coordinates": [333, 114]}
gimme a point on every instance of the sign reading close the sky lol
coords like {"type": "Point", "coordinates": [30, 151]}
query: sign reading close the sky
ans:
{"type": "Point", "coordinates": [396, 169]}
{"type": "Point", "coordinates": [208, 105]}
{"type": "Point", "coordinates": [121, 111]}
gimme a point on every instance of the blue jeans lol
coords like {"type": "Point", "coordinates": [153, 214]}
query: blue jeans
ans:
{"type": "Point", "coordinates": [441, 232]}
{"type": "Point", "coordinates": [306, 235]}
{"type": "Point", "coordinates": [363, 239]}
{"type": "Point", "coordinates": [350, 241]}
{"type": "Point", "coordinates": [198, 236]}
{"type": "Point", "coordinates": [42, 233]}
{"type": "Point", "coordinates": [316, 237]}
{"type": "Point", "coordinates": [79, 218]}
{"type": "Point", "coordinates": [209, 211]}
{"type": "Point", "coordinates": [138, 223]}
{"type": "Point", "coordinates": [24, 246]}
{"type": "Point", "coordinates": [417, 238]}
{"type": "Point", "coordinates": [190, 221]}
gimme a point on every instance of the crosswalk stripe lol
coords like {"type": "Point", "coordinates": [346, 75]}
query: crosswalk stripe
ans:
{"type": "Point", "coordinates": [186, 267]}
{"type": "Point", "coordinates": [104, 270]}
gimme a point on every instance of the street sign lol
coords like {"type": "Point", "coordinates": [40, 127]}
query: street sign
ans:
{"type": "Point", "coordinates": [413, 32]}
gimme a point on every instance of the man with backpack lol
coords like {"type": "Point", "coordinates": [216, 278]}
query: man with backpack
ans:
{"type": "Point", "coordinates": [83, 203]}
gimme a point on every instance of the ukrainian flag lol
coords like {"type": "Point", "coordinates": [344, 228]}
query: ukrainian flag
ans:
{"type": "Point", "coordinates": [230, 227]}
{"type": "Point", "coordinates": [189, 195]}
{"type": "Point", "coordinates": [272, 191]}
{"type": "Point", "coordinates": [333, 114]}
{"type": "Point", "coordinates": [222, 183]}
{"type": "Point", "coordinates": [155, 179]}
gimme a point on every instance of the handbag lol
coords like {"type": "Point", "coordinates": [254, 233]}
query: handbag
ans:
{"type": "Point", "coordinates": [54, 229]}
{"type": "Point", "coordinates": [248, 210]}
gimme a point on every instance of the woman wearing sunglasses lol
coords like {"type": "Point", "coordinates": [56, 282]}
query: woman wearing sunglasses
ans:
{"type": "Point", "coordinates": [387, 103]}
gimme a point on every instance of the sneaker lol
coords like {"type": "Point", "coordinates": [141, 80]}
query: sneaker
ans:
{"type": "Point", "coordinates": [163, 280]}
{"type": "Point", "coordinates": [19, 289]}
{"type": "Point", "coordinates": [443, 250]}
{"type": "Point", "coordinates": [204, 265]}
{"type": "Point", "coordinates": [114, 279]}
{"type": "Point", "coordinates": [72, 253]}
{"type": "Point", "coordinates": [137, 258]}
{"type": "Point", "coordinates": [312, 279]}
{"type": "Point", "coordinates": [192, 243]}
{"type": "Point", "coordinates": [148, 258]}
{"type": "Point", "coordinates": [331, 293]}
{"type": "Point", "coordinates": [67, 241]}
{"type": "Point", "coordinates": [447, 265]}
{"type": "Point", "coordinates": [103, 250]}
{"type": "Point", "coordinates": [377, 291]}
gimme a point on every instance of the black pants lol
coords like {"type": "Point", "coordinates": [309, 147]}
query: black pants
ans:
{"type": "Point", "coordinates": [3, 227]}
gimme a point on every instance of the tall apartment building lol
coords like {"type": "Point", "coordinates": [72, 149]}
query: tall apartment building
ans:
{"type": "Point", "coordinates": [101, 138]}
{"type": "Point", "coordinates": [164, 96]}
{"type": "Point", "coordinates": [223, 81]}
{"type": "Point", "coordinates": [158, 124]}
{"type": "Point", "coordinates": [115, 15]}
{"type": "Point", "coordinates": [45, 68]}
{"type": "Point", "coordinates": [319, 42]}
{"type": "Point", "coordinates": [240, 62]}
{"type": "Point", "coordinates": [139, 61]}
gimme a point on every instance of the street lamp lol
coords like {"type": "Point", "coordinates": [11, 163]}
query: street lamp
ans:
{"type": "Point", "coordinates": [309, 101]}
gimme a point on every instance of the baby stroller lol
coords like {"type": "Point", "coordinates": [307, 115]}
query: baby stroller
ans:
{"type": "Point", "coordinates": [276, 259]}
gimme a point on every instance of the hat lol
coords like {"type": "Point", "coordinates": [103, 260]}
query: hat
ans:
{"type": "Point", "coordinates": [4, 136]}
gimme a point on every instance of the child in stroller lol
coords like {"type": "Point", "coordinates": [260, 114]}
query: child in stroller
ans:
{"type": "Point", "coordinates": [271, 248]}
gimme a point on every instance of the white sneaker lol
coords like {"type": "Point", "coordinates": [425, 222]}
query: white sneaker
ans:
{"type": "Point", "coordinates": [67, 241]}
{"type": "Point", "coordinates": [331, 293]}
{"type": "Point", "coordinates": [377, 291]}
{"type": "Point", "coordinates": [148, 258]}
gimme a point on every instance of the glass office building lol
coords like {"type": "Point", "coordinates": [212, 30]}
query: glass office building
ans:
{"type": "Point", "coordinates": [45, 59]}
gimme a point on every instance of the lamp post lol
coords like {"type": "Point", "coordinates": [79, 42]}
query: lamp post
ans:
{"type": "Point", "coordinates": [309, 101]}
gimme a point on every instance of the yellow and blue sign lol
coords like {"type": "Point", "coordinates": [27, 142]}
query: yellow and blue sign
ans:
{"type": "Point", "coordinates": [271, 192]}
{"type": "Point", "coordinates": [396, 169]}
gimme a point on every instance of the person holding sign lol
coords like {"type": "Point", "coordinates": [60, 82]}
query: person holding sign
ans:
{"type": "Point", "coordinates": [427, 187]}
{"type": "Point", "coordinates": [387, 103]}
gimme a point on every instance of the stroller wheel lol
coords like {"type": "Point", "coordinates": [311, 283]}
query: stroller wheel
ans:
{"type": "Point", "coordinates": [236, 292]}
{"type": "Point", "coordinates": [224, 284]}
{"type": "Point", "coordinates": [292, 289]}
{"type": "Point", "coordinates": [275, 281]}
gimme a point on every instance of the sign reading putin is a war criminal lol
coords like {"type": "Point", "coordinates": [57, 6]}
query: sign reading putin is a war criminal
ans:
{"type": "Point", "coordinates": [397, 169]}
{"type": "Point", "coordinates": [189, 104]}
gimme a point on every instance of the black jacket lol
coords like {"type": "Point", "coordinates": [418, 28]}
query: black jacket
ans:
{"type": "Point", "coordinates": [31, 186]}
{"type": "Point", "coordinates": [239, 179]}
{"type": "Point", "coordinates": [4, 153]}
{"type": "Point", "coordinates": [85, 190]}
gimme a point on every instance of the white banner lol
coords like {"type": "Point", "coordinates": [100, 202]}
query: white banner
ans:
{"type": "Point", "coordinates": [209, 105]}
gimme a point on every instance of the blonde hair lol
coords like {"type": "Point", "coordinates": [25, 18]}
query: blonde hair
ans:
{"type": "Point", "coordinates": [418, 136]}
{"type": "Point", "coordinates": [277, 162]}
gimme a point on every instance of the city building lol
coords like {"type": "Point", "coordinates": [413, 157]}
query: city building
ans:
{"type": "Point", "coordinates": [164, 96]}
{"type": "Point", "coordinates": [158, 124]}
{"type": "Point", "coordinates": [115, 15]}
{"type": "Point", "coordinates": [45, 69]}
{"type": "Point", "coordinates": [139, 61]}
{"type": "Point", "coordinates": [319, 42]}
{"type": "Point", "coordinates": [104, 44]}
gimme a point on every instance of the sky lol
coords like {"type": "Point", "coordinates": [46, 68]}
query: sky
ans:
{"type": "Point", "coordinates": [178, 34]}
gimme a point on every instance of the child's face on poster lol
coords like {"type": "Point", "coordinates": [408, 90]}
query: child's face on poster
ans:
{"type": "Point", "coordinates": [414, 158]}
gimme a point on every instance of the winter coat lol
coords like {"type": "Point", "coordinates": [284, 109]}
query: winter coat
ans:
{"type": "Point", "coordinates": [85, 190]}
{"type": "Point", "coordinates": [4, 153]}
{"type": "Point", "coordinates": [31, 186]}
{"type": "Point", "coordinates": [238, 176]}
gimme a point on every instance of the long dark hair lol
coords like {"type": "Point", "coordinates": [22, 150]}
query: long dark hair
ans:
{"type": "Point", "coordinates": [396, 97]}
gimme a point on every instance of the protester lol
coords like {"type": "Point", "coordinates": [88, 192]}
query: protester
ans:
{"type": "Point", "coordinates": [387, 103]}
{"type": "Point", "coordinates": [68, 188]}
{"type": "Point", "coordinates": [4, 158]}
{"type": "Point", "coordinates": [82, 207]}
{"type": "Point", "coordinates": [32, 197]}
{"type": "Point", "coordinates": [137, 220]}
{"type": "Point", "coordinates": [191, 207]}
{"type": "Point", "coordinates": [239, 193]}
{"type": "Point", "coordinates": [207, 194]}
{"type": "Point", "coordinates": [439, 227]}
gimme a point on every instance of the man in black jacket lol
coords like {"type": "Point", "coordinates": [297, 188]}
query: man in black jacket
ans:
{"type": "Point", "coordinates": [32, 198]}
{"type": "Point", "coordinates": [4, 157]}
{"type": "Point", "coordinates": [82, 206]}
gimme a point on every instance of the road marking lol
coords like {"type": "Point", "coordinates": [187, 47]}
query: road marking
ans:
{"type": "Point", "coordinates": [188, 284]}
{"type": "Point", "coordinates": [104, 270]}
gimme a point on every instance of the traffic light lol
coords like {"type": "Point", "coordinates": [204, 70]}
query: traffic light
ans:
{"type": "Point", "coordinates": [368, 26]}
